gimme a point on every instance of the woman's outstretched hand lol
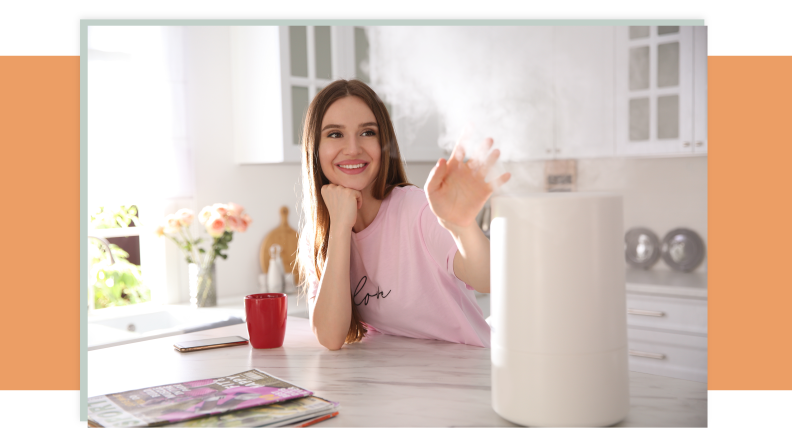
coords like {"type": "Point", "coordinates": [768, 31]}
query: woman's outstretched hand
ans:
{"type": "Point", "coordinates": [456, 190]}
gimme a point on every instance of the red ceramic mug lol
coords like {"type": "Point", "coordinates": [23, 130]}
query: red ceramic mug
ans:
{"type": "Point", "coordinates": [266, 319]}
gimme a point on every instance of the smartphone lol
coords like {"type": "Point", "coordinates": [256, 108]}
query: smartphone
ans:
{"type": "Point", "coordinates": [206, 344]}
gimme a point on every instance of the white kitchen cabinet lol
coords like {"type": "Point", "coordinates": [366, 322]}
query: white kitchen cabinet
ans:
{"type": "Point", "coordinates": [574, 109]}
{"type": "Point", "coordinates": [667, 323]}
{"type": "Point", "coordinates": [700, 90]}
{"type": "Point", "coordinates": [276, 73]}
{"type": "Point", "coordinates": [583, 64]}
{"type": "Point", "coordinates": [660, 90]}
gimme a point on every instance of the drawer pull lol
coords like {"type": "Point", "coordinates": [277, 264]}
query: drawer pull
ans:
{"type": "Point", "coordinates": [647, 354]}
{"type": "Point", "coordinates": [645, 312]}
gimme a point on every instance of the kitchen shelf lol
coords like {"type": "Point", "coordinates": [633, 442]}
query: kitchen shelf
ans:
{"type": "Point", "coordinates": [693, 285]}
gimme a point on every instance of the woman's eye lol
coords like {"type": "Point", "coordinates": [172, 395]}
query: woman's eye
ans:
{"type": "Point", "coordinates": [369, 132]}
{"type": "Point", "coordinates": [334, 135]}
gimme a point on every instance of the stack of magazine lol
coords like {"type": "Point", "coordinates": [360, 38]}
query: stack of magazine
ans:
{"type": "Point", "coordinates": [248, 399]}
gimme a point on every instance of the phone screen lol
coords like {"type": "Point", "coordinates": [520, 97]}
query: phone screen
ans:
{"type": "Point", "coordinates": [208, 342]}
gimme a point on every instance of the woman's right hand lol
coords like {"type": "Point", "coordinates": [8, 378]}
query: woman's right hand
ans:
{"type": "Point", "coordinates": [342, 204]}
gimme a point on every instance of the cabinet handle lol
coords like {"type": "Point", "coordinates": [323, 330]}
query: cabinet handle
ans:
{"type": "Point", "coordinates": [646, 354]}
{"type": "Point", "coordinates": [699, 143]}
{"type": "Point", "coordinates": [645, 312]}
{"type": "Point", "coordinates": [549, 150]}
{"type": "Point", "coordinates": [557, 150]}
{"type": "Point", "coordinates": [686, 144]}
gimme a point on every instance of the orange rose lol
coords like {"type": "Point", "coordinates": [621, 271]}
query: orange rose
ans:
{"type": "Point", "coordinates": [244, 222]}
{"type": "Point", "coordinates": [172, 224]}
{"type": "Point", "coordinates": [185, 216]}
{"type": "Point", "coordinates": [204, 215]}
{"type": "Point", "coordinates": [235, 210]}
{"type": "Point", "coordinates": [232, 223]}
{"type": "Point", "coordinates": [215, 225]}
{"type": "Point", "coordinates": [221, 209]}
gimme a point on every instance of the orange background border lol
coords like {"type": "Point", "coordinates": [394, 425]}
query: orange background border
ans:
{"type": "Point", "coordinates": [749, 213]}
{"type": "Point", "coordinates": [40, 222]}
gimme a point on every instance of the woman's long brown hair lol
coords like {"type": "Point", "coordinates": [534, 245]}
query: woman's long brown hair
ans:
{"type": "Point", "coordinates": [314, 211]}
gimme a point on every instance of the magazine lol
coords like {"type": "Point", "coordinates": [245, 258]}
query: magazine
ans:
{"type": "Point", "coordinates": [172, 403]}
{"type": "Point", "coordinates": [271, 415]}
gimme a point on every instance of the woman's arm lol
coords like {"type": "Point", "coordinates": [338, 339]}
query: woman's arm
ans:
{"type": "Point", "coordinates": [331, 312]}
{"type": "Point", "coordinates": [456, 191]}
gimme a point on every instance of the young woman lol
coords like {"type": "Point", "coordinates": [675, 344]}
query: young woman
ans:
{"type": "Point", "coordinates": [377, 253]}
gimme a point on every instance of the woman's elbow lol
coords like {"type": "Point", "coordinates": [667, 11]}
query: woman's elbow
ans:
{"type": "Point", "coordinates": [330, 343]}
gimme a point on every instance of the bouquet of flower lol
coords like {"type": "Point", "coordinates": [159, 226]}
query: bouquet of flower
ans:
{"type": "Point", "coordinates": [220, 221]}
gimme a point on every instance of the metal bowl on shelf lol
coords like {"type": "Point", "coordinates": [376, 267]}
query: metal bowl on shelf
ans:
{"type": "Point", "coordinates": [641, 247]}
{"type": "Point", "coordinates": [683, 249]}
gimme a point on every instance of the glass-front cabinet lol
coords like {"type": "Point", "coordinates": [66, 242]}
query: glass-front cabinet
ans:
{"type": "Point", "coordinates": [660, 90]}
{"type": "Point", "coordinates": [277, 70]}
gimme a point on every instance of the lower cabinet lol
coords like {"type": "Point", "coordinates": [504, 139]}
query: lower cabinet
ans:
{"type": "Point", "coordinates": [667, 335]}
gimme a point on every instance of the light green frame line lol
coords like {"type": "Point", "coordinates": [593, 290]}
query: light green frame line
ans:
{"type": "Point", "coordinates": [84, 24]}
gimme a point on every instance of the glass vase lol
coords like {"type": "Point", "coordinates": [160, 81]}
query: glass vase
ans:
{"type": "Point", "coordinates": [203, 286]}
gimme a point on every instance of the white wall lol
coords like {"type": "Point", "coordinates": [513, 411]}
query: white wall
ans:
{"type": "Point", "coordinates": [660, 194]}
{"type": "Point", "coordinates": [261, 189]}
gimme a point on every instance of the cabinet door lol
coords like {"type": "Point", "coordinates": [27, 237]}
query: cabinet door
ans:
{"type": "Point", "coordinates": [583, 61]}
{"type": "Point", "coordinates": [259, 135]}
{"type": "Point", "coordinates": [700, 89]}
{"type": "Point", "coordinates": [311, 58]}
{"type": "Point", "coordinates": [654, 90]}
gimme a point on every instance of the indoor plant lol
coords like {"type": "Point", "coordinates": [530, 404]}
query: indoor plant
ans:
{"type": "Point", "coordinates": [220, 221]}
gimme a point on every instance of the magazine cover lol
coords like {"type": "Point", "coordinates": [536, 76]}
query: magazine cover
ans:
{"type": "Point", "coordinates": [172, 403]}
{"type": "Point", "coordinates": [271, 415]}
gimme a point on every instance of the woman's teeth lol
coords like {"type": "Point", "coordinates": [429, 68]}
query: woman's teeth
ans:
{"type": "Point", "coordinates": [351, 166]}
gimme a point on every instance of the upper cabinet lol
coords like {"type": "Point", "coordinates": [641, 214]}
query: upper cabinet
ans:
{"type": "Point", "coordinates": [604, 91]}
{"type": "Point", "coordinates": [661, 94]}
{"type": "Point", "coordinates": [583, 68]}
{"type": "Point", "coordinates": [276, 73]}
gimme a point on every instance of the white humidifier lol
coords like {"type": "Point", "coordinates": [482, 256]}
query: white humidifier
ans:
{"type": "Point", "coordinates": [558, 306]}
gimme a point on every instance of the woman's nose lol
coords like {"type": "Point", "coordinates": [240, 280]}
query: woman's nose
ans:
{"type": "Point", "coordinates": [353, 146]}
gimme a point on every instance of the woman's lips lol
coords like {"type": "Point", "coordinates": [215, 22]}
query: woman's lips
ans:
{"type": "Point", "coordinates": [353, 171]}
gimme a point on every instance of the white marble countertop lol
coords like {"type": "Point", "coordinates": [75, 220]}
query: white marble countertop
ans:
{"type": "Point", "coordinates": [384, 381]}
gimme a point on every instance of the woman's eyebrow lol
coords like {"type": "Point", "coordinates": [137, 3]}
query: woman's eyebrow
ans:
{"type": "Point", "coordinates": [338, 126]}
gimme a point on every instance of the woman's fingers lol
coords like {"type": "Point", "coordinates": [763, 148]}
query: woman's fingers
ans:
{"type": "Point", "coordinates": [358, 196]}
{"type": "Point", "coordinates": [483, 167]}
{"type": "Point", "coordinates": [498, 182]}
{"type": "Point", "coordinates": [436, 175]}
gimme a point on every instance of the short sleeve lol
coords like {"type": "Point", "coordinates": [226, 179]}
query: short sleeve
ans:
{"type": "Point", "coordinates": [438, 241]}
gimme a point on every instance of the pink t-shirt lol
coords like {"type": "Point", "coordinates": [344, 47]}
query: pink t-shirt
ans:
{"type": "Point", "coordinates": [402, 275]}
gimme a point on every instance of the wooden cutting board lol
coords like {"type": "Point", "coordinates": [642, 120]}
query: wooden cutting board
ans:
{"type": "Point", "coordinates": [286, 237]}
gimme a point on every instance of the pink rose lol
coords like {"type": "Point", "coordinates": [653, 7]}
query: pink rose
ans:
{"type": "Point", "coordinates": [221, 209]}
{"type": "Point", "coordinates": [215, 225]}
{"type": "Point", "coordinates": [235, 209]}
{"type": "Point", "coordinates": [185, 216]}
{"type": "Point", "coordinates": [244, 222]}
{"type": "Point", "coordinates": [204, 215]}
{"type": "Point", "coordinates": [232, 222]}
{"type": "Point", "coordinates": [172, 224]}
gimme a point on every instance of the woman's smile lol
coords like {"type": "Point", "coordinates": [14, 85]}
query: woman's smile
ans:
{"type": "Point", "coordinates": [352, 167]}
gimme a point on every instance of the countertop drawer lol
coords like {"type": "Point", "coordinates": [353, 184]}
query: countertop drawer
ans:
{"type": "Point", "coordinates": [668, 354]}
{"type": "Point", "coordinates": [667, 313]}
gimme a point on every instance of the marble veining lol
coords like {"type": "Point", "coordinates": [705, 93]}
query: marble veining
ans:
{"type": "Point", "coordinates": [384, 381]}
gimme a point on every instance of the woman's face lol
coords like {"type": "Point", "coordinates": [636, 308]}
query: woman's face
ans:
{"type": "Point", "coordinates": [349, 148]}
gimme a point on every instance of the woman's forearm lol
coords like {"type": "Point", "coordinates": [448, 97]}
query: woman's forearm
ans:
{"type": "Point", "coordinates": [472, 261]}
{"type": "Point", "coordinates": [332, 310]}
